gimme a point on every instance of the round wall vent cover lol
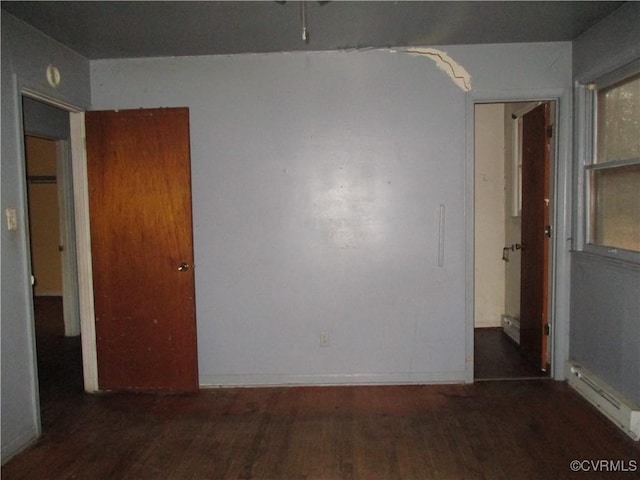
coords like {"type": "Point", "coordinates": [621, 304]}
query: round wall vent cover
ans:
{"type": "Point", "coordinates": [53, 76]}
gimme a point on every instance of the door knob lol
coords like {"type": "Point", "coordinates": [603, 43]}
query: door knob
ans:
{"type": "Point", "coordinates": [183, 267]}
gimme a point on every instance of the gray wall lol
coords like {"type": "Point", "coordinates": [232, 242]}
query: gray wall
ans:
{"type": "Point", "coordinates": [25, 56]}
{"type": "Point", "coordinates": [608, 45]}
{"type": "Point", "coordinates": [605, 294]}
{"type": "Point", "coordinates": [44, 120]}
{"type": "Point", "coordinates": [517, 72]}
{"type": "Point", "coordinates": [317, 180]}
{"type": "Point", "coordinates": [605, 320]}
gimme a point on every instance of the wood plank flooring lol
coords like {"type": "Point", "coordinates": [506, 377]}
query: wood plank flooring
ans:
{"type": "Point", "coordinates": [497, 357]}
{"type": "Point", "coordinates": [488, 430]}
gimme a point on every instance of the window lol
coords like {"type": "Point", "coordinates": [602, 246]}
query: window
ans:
{"type": "Point", "coordinates": [613, 176]}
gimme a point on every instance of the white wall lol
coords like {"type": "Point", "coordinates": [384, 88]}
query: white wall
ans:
{"type": "Point", "coordinates": [489, 214]}
{"type": "Point", "coordinates": [25, 56]}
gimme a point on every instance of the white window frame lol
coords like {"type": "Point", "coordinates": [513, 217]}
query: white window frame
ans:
{"type": "Point", "coordinates": [590, 98]}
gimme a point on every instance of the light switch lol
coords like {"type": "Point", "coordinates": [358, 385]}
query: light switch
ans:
{"type": "Point", "coordinates": [12, 219]}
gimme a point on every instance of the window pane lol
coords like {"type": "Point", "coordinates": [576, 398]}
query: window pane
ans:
{"type": "Point", "coordinates": [619, 121]}
{"type": "Point", "coordinates": [615, 212]}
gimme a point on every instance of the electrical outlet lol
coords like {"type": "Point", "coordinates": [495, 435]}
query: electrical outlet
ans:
{"type": "Point", "coordinates": [324, 339]}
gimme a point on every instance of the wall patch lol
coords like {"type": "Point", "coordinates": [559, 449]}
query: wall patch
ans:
{"type": "Point", "coordinates": [447, 64]}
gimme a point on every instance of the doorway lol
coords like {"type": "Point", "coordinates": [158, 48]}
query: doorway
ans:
{"type": "Point", "coordinates": [508, 342]}
{"type": "Point", "coordinates": [52, 251]}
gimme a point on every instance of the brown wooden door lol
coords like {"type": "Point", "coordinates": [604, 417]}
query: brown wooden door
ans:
{"type": "Point", "coordinates": [535, 243]}
{"type": "Point", "coordinates": [138, 169]}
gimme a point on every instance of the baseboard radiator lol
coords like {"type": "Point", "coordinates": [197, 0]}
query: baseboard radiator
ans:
{"type": "Point", "coordinates": [511, 326]}
{"type": "Point", "coordinates": [612, 404]}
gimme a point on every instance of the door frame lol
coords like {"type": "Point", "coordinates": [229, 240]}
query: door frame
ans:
{"type": "Point", "coordinates": [561, 174]}
{"type": "Point", "coordinates": [70, 285]}
{"type": "Point", "coordinates": [64, 188]}
{"type": "Point", "coordinates": [83, 248]}
{"type": "Point", "coordinates": [80, 202]}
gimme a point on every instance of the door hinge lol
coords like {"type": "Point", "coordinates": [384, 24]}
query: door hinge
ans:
{"type": "Point", "coordinates": [548, 230]}
{"type": "Point", "coordinates": [550, 131]}
{"type": "Point", "coordinates": [547, 329]}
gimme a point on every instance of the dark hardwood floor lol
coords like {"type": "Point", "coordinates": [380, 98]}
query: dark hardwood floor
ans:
{"type": "Point", "coordinates": [496, 357]}
{"type": "Point", "coordinates": [487, 430]}
{"type": "Point", "coordinates": [59, 358]}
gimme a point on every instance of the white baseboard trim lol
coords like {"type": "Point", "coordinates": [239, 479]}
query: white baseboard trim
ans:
{"type": "Point", "coordinates": [620, 410]}
{"type": "Point", "coordinates": [275, 380]}
{"type": "Point", "coordinates": [17, 444]}
{"type": "Point", "coordinates": [511, 326]}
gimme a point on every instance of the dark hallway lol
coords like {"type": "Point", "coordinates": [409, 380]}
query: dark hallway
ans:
{"type": "Point", "coordinates": [59, 362]}
{"type": "Point", "coordinates": [497, 357]}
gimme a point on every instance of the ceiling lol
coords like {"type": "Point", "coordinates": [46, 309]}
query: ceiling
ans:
{"type": "Point", "coordinates": [128, 29]}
